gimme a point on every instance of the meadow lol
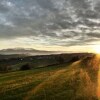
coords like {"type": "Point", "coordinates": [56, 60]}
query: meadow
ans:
{"type": "Point", "coordinates": [74, 81]}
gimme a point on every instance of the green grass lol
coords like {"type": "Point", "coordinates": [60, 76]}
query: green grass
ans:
{"type": "Point", "coordinates": [64, 82]}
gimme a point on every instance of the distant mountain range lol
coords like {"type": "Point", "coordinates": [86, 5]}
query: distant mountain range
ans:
{"type": "Point", "coordinates": [26, 51]}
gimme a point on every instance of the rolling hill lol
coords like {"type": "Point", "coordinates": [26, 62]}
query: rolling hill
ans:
{"type": "Point", "coordinates": [28, 51]}
{"type": "Point", "coordinates": [78, 80]}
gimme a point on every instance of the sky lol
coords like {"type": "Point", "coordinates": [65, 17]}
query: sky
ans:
{"type": "Point", "coordinates": [53, 25]}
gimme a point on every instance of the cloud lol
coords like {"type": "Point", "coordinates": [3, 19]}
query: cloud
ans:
{"type": "Point", "coordinates": [97, 35]}
{"type": "Point", "coordinates": [3, 8]}
{"type": "Point", "coordinates": [54, 22]}
{"type": "Point", "coordinates": [46, 4]}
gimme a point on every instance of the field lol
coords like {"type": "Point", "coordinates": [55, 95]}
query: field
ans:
{"type": "Point", "coordinates": [74, 81]}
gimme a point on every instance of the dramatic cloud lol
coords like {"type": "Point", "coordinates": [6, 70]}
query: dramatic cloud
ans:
{"type": "Point", "coordinates": [51, 22]}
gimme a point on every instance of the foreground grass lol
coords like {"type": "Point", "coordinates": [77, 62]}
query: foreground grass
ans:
{"type": "Point", "coordinates": [15, 85]}
{"type": "Point", "coordinates": [66, 82]}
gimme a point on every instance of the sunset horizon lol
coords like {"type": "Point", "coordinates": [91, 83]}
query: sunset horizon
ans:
{"type": "Point", "coordinates": [49, 49]}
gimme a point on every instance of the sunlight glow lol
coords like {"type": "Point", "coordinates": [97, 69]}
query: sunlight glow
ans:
{"type": "Point", "coordinates": [96, 49]}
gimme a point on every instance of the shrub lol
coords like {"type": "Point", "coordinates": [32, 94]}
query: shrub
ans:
{"type": "Point", "coordinates": [25, 67]}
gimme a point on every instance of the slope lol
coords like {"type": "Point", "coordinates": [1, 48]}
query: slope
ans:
{"type": "Point", "coordinates": [77, 81]}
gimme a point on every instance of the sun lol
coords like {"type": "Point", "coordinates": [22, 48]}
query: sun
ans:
{"type": "Point", "coordinates": [96, 49]}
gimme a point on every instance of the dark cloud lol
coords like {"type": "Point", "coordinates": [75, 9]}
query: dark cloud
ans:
{"type": "Point", "coordinates": [3, 8]}
{"type": "Point", "coordinates": [46, 4]}
{"type": "Point", "coordinates": [97, 7]}
{"type": "Point", "coordinates": [97, 35]}
{"type": "Point", "coordinates": [90, 14]}
{"type": "Point", "coordinates": [79, 4]}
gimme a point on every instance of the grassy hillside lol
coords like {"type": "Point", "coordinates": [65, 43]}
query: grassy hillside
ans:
{"type": "Point", "coordinates": [77, 81]}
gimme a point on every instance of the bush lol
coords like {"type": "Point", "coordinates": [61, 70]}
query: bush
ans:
{"type": "Point", "coordinates": [25, 67]}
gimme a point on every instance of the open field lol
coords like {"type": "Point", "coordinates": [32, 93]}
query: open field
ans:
{"type": "Point", "coordinates": [74, 81]}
